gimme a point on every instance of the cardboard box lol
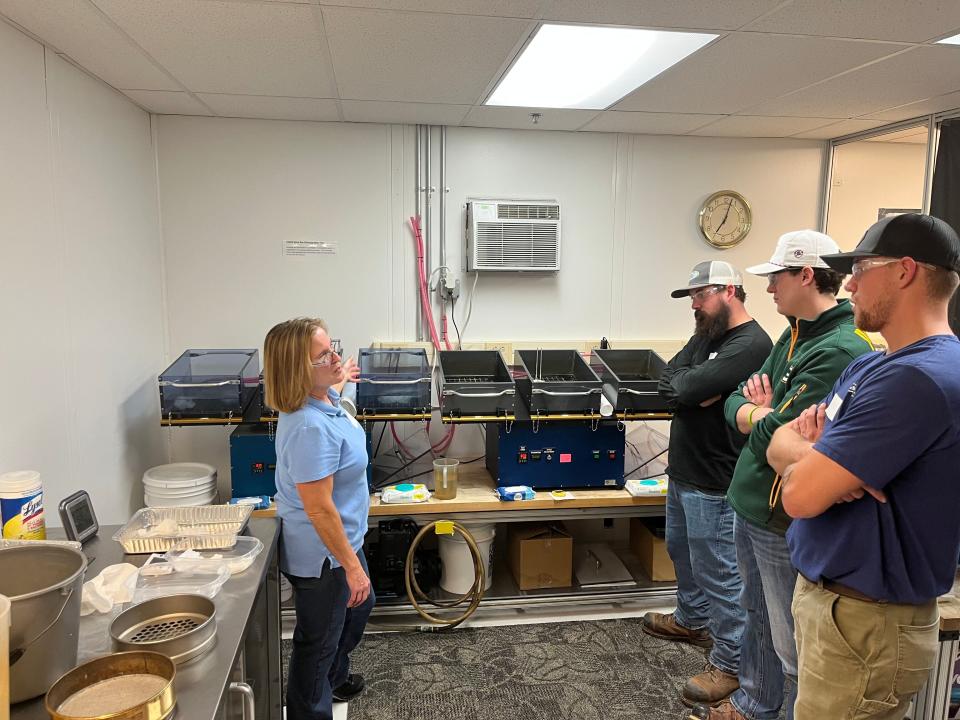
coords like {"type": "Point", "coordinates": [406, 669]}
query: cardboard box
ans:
{"type": "Point", "coordinates": [541, 556]}
{"type": "Point", "coordinates": [651, 548]}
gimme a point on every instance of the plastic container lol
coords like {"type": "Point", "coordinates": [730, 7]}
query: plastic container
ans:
{"type": "Point", "coordinates": [180, 484]}
{"type": "Point", "coordinates": [445, 475]}
{"type": "Point", "coordinates": [21, 505]}
{"type": "Point", "coordinates": [393, 381]}
{"type": "Point", "coordinates": [458, 572]}
{"type": "Point", "coordinates": [210, 384]}
{"type": "Point", "coordinates": [236, 559]}
{"type": "Point", "coordinates": [205, 581]}
{"type": "Point", "coordinates": [4, 657]}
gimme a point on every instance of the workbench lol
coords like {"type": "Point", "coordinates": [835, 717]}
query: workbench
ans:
{"type": "Point", "coordinates": [246, 657]}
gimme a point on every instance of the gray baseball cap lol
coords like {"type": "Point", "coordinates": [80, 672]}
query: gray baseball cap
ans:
{"type": "Point", "coordinates": [710, 272]}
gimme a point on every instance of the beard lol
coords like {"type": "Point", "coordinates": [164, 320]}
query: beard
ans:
{"type": "Point", "coordinates": [712, 326]}
{"type": "Point", "coordinates": [873, 319]}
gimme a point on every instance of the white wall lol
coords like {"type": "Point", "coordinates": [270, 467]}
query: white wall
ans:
{"type": "Point", "coordinates": [869, 175]}
{"type": "Point", "coordinates": [81, 299]}
{"type": "Point", "coordinates": [232, 190]}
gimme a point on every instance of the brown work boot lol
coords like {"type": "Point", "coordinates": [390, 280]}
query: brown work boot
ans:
{"type": "Point", "coordinates": [723, 711]}
{"type": "Point", "coordinates": [710, 687]}
{"type": "Point", "coordinates": [666, 627]}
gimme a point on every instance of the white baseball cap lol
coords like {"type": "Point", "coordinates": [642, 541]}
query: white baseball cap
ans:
{"type": "Point", "coordinates": [798, 249]}
{"type": "Point", "coordinates": [710, 272]}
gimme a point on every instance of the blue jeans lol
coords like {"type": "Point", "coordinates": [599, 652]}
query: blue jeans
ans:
{"type": "Point", "coordinates": [700, 543]}
{"type": "Point", "coordinates": [327, 631]}
{"type": "Point", "coordinates": [768, 663]}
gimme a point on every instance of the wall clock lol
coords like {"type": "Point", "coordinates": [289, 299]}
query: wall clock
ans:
{"type": "Point", "coordinates": [725, 219]}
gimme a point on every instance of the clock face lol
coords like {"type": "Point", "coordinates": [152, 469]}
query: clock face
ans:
{"type": "Point", "coordinates": [725, 219]}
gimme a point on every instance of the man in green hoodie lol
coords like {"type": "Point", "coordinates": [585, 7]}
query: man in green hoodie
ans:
{"type": "Point", "coordinates": [805, 362]}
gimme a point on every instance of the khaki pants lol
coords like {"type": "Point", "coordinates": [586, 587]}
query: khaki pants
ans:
{"type": "Point", "coordinates": [860, 659]}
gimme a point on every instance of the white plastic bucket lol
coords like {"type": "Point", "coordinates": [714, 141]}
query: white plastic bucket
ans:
{"type": "Point", "coordinates": [179, 484]}
{"type": "Point", "coordinates": [4, 658]}
{"type": "Point", "coordinates": [21, 506]}
{"type": "Point", "coordinates": [457, 561]}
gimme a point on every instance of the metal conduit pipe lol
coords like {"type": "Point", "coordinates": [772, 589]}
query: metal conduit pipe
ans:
{"type": "Point", "coordinates": [417, 189]}
{"type": "Point", "coordinates": [443, 203]}
{"type": "Point", "coordinates": [428, 210]}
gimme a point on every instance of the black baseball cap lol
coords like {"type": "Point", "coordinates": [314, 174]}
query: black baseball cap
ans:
{"type": "Point", "coordinates": [923, 237]}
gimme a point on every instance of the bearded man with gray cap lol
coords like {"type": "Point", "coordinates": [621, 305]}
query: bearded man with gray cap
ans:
{"type": "Point", "coordinates": [726, 347]}
{"type": "Point", "coordinates": [819, 343]}
{"type": "Point", "coordinates": [870, 473]}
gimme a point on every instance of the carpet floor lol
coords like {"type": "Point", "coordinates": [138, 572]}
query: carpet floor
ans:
{"type": "Point", "coordinates": [584, 670]}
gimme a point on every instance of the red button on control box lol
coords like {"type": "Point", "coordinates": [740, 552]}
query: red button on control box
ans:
{"type": "Point", "coordinates": [566, 457]}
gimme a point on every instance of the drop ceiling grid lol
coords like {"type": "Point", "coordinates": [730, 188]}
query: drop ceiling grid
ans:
{"type": "Point", "coordinates": [224, 47]}
{"type": "Point", "coordinates": [913, 21]}
{"type": "Point", "coordinates": [79, 30]}
{"type": "Point", "coordinates": [432, 61]}
{"type": "Point", "coordinates": [915, 74]}
{"type": "Point", "coordinates": [744, 69]}
{"type": "Point", "coordinates": [405, 57]}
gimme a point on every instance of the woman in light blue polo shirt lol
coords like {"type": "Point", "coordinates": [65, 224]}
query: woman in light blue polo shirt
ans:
{"type": "Point", "coordinates": [322, 500]}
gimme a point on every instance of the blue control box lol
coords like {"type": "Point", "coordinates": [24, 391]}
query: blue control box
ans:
{"type": "Point", "coordinates": [253, 461]}
{"type": "Point", "coordinates": [561, 454]}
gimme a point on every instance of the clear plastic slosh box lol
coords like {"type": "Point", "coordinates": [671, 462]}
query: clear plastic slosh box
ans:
{"type": "Point", "coordinates": [209, 383]}
{"type": "Point", "coordinates": [393, 380]}
{"type": "Point", "coordinates": [235, 559]}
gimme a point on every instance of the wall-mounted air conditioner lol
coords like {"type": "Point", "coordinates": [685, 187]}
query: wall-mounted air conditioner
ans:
{"type": "Point", "coordinates": [513, 235]}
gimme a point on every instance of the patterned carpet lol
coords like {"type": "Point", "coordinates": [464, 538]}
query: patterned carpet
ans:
{"type": "Point", "coordinates": [606, 669]}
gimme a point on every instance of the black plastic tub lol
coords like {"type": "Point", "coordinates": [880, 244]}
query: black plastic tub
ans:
{"type": "Point", "coordinates": [557, 382]}
{"type": "Point", "coordinates": [475, 382]}
{"type": "Point", "coordinates": [630, 379]}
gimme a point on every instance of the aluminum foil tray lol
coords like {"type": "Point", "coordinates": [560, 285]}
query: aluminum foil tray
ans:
{"type": "Point", "coordinates": [205, 527]}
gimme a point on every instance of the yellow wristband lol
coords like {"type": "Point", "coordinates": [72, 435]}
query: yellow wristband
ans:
{"type": "Point", "coordinates": [750, 416]}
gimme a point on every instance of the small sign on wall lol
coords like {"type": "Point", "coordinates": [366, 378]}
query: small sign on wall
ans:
{"type": "Point", "coordinates": [305, 248]}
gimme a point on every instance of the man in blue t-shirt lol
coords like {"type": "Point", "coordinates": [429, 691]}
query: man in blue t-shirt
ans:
{"type": "Point", "coordinates": [870, 475]}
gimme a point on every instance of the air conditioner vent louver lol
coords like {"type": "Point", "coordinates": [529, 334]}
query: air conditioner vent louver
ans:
{"type": "Point", "coordinates": [503, 235]}
{"type": "Point", "coordinates": [528, 212]}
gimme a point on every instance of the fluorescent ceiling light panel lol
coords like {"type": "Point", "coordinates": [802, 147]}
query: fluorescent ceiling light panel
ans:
{"type": "Point", "coordinates": [590, 67]}
{"type": "Point", "coordinates": [955, 40]}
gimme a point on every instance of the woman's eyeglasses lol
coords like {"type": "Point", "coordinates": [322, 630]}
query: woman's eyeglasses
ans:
{"type": "Point", "coordinates": [326, 359]}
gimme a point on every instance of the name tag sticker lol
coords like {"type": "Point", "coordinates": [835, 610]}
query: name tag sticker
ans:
{"type": "Point", "coordinates": [711, 356]}
{"type": "Point", "coordinates": [834, 406]}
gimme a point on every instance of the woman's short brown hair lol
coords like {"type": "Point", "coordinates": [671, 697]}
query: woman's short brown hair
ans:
{"type": "Point", "coordinates": [287, 372]}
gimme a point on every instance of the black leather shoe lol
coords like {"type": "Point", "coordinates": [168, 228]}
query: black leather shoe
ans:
{"type": "Point", "coordinates": [350, 689]}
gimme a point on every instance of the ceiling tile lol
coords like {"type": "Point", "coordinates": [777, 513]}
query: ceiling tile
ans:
{"type": "Point", "coordinates": [921, 72]}
{"type": "Point", "coordinates": [418, 57]}
{"type": "Point", "coordinates": [273, 108]}
{"type": "Point", "coordinates": [402, 113]}
{"type": "Point", "coordinates": [914, 21]}
{"type": "Point", "coordinates": [79, 30]}
{"type": "Point", "coordinates": [941, 103]}
{"type": "Point", "coordinates": [839, 129]}
{"type": "Point", "coordinates": [519, 118]}
{"type": "Point", "coordinates": [716, 14]}
{"type": "Point", "coordinates": [757, 126]}
{"type": "Point", "coordinates": [490, 8]}
{"type": "Point", "coordinates": [162, 102]}
{"type": "Point", "coordinates": [218, 46]}
{"type": "Point", "coordinates": [648, 123]}
{"type": "Point", "coordinates": [744, 69]}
